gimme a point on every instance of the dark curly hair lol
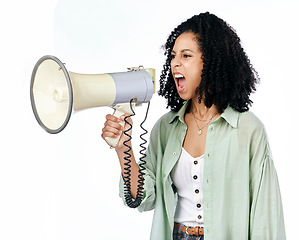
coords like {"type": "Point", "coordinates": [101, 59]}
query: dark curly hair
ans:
{"type": "Point", "coordinates": [228, 77]}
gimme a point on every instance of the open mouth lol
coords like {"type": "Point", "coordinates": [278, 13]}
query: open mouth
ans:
{"type": "Point", "coordinates": [180, 81]}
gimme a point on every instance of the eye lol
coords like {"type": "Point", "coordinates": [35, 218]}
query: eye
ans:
{"type": "Point", "coordinates": [186, 55]}
{"type": "Point", "coordinates": [172, 56]}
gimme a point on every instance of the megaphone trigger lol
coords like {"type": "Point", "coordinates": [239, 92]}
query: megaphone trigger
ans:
{"type": "Point", "coordinates": [119, 110]}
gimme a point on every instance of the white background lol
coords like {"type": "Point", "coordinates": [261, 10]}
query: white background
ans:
{"type": "Point", "coordinates": [65, 186]}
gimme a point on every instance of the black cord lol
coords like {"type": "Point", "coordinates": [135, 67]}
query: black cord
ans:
{"type": "Point", "coordinates": [127, 173]}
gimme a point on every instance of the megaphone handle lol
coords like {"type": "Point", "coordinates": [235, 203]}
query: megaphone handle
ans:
{"type": "Point", "coordinates": [119, 110]}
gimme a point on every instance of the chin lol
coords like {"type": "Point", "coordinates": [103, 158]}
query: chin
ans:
{"type": "Point", "coordinates": [184, 96]}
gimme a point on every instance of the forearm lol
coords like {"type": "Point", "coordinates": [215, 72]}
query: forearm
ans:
{"type": "Point", "coordinates": [113, 129]}
{"type": "Point", "coordinates": [134, 168]}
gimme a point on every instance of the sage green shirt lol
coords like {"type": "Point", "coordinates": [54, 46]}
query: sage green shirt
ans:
{"type": "Point", "coordinates": [241, 192]}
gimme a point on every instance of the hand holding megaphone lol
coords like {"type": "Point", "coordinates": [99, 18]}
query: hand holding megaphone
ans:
{"type": "Point", "coordinates": [114, 125]}
{"type": "Point", "coordinates": [114, 128]}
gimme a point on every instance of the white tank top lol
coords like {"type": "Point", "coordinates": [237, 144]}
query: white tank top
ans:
{"type": "Point", "coordinates": [187, 176]}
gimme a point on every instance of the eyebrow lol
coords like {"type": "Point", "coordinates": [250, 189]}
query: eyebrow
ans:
{"type": "Point", "coordinates": [183, 50]}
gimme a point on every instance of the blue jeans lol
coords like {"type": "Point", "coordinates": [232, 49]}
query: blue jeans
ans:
{"type": "Point", "coordinates": [179, 235]}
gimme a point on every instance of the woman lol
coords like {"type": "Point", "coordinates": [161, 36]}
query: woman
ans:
{"type": "Point", "coordinates": [209, 171]}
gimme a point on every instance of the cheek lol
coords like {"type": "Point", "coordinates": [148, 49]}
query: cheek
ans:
{"type": "Point", "coordinates": [197, 75]}
{"type": "Point", "coordinates": [199, 71]}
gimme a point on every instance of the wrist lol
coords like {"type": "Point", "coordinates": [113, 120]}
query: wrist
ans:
{"type": "Point", "coordinates": [120, 148]}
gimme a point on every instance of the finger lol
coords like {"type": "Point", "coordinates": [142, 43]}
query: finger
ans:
{"type": "Point", "coordinates": [108, 134]}
{"type": "Point", "coordinates": [112, 118]}
{"type": "Point", "coordinates": [115, 131]}
{"type": "Point", "coordinates": [112, 124]}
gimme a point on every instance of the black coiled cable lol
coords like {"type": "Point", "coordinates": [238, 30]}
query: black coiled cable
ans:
{"type": "Point", "coordinates": [127, 170]}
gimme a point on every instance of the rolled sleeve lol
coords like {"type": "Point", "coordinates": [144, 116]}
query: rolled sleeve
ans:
{"type": "Point", "coordinates": [149, 195]}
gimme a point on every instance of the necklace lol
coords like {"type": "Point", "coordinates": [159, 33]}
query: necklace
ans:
{"type": "Point", "coordinates": [200, 129]}
{"type": "Point", "coordinates": [202, 120]}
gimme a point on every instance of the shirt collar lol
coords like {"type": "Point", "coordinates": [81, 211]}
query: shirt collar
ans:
{"type": "Point", "coordinates": [181, 113]}
{"type": "Point", "coordinates": [229, 115]}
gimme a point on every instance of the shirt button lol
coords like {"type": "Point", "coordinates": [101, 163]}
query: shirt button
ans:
{"type": "Point", "coordinates": [198, 205]}
{"type": "Point", "coordinates": [195, 177]}
{"type": "Point", "coordinates": [196, 191]}
{"type": "Point", "coordinates": [174, 153]}
{"type": "Point", "coordinates": [199, 217]}
{"type": "Point", "coordinates": [195, 162]}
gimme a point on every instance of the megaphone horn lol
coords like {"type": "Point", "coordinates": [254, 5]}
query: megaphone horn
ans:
{"type": "Point", "coordinates": [55, 92]}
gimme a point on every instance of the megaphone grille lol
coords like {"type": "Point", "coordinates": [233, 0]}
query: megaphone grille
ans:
{"type": "Point", "coordinates": [51, 94]}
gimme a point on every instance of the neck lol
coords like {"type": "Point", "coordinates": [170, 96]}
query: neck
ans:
{"type": "Point", "coordinates": [201, 111]}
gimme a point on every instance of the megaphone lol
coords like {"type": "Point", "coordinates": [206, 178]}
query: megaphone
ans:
{"type": "Point", "coordinates": [55, 92]}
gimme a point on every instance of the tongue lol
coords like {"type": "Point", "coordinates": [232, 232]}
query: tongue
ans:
{"type": "Point", "coordinates": [181, 84]}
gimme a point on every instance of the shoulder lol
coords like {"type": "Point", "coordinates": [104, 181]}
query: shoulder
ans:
{"type": "Point", "coordinates": [247, 125]}
{"type": "Point", "coordinates": [253, 131]}
{"type": "Point", "coordinates": [242, 121]}
{"type": "Point", "coordinates": [250, 122]}
{"type": "Point", "coordinates": [161, 130]}
{"type": "Point", "coordinates": [164, 121]}
{"type": "Point", "coordinates": [164, 126]}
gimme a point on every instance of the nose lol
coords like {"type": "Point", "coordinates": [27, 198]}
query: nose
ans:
{"type": "Point", "coordinates": [175, 62]}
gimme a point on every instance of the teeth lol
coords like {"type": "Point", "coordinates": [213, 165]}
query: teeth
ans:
{"type": "Point", "coordinates": [178, 76]}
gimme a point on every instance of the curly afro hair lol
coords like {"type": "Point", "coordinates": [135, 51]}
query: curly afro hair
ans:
{"type": "Point", "coordinates": [228, 77]}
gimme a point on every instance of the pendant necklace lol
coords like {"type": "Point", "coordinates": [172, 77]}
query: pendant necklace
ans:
{"type": "Point", "coordinates": [200, 129]}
